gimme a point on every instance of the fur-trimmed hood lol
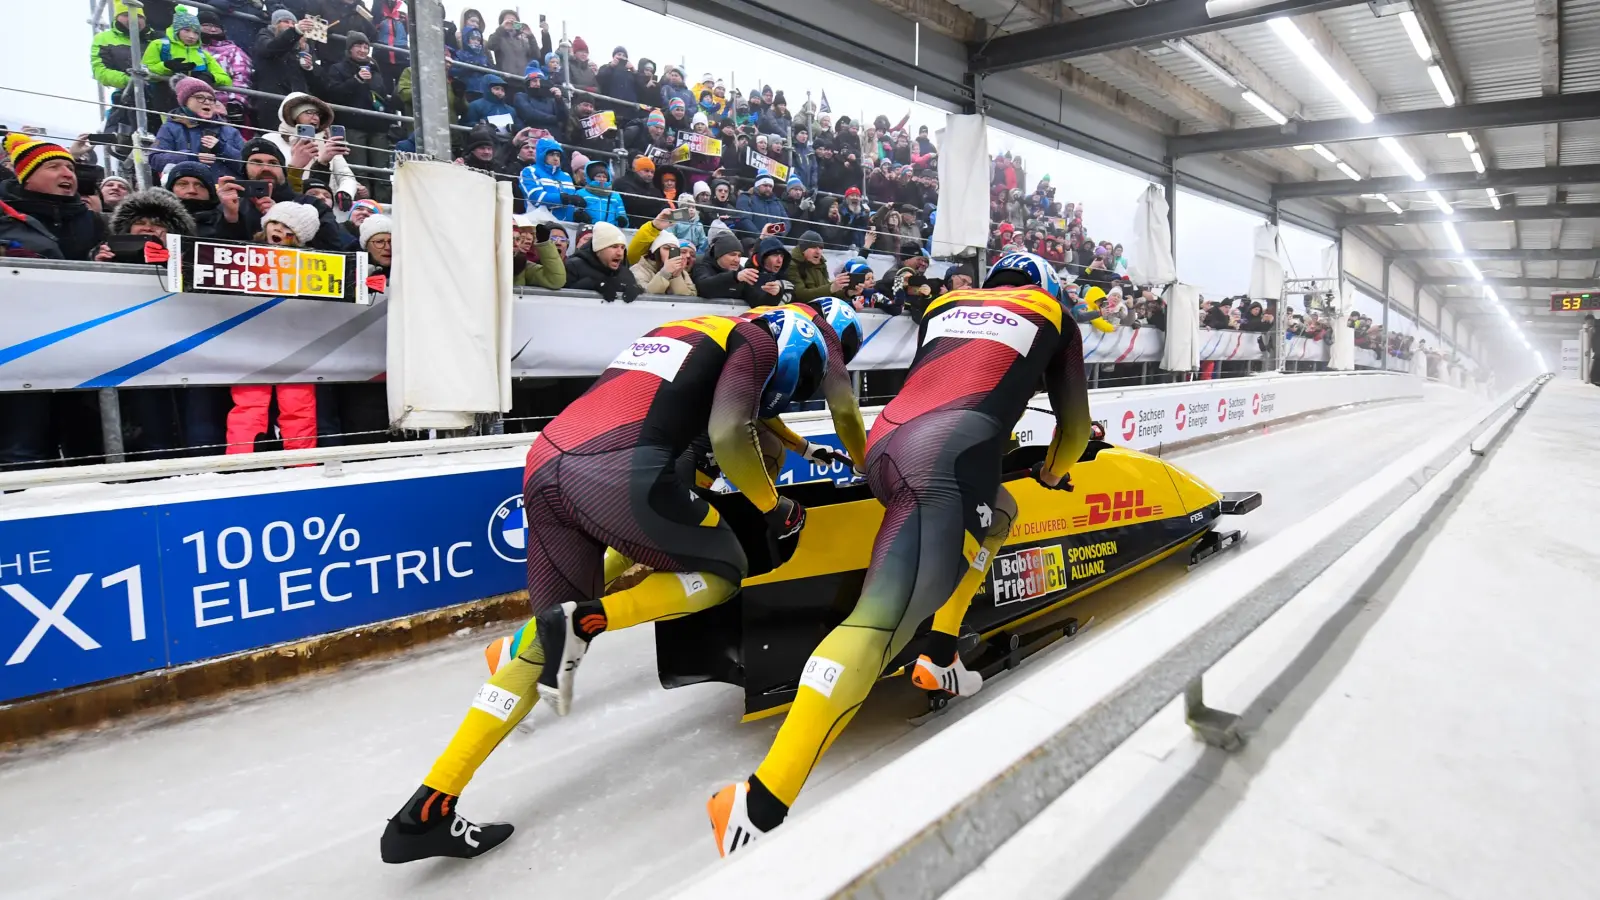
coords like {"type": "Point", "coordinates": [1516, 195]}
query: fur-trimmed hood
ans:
{"type": "Point", "coordinates": [154, 203]}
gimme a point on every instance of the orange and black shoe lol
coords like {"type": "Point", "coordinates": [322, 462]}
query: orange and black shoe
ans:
{"type": "Point", "coordinates": [730, 818]}
{"type": "Point", "coordinates": [564, 632]}
{"type": "Point", "coordinates": [498, 653]}
{"type": "Point", "coordinates": [955, 679]}
{"type": "Point", "coordinates": [428, 826]}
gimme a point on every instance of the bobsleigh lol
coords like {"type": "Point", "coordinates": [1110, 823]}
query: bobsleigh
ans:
{"type": "Point", "coordinates": [1128, 511]}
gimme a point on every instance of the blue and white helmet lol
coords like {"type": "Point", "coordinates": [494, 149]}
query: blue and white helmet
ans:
{"type": "Point", "coordinates": [840, 314]}
{"type": "Point", "coordinates": [1022, 269]}
{"type": "Point", "coordinates": [802, 359]}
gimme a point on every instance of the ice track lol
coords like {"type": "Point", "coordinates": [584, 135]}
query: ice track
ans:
{"type": "Point", "coordinates": [284, 791]}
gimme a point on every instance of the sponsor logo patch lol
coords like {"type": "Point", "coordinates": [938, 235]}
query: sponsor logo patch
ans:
{"type": "Point", "coordinates": [1028, 574]}
{"type": "Point", "coordinates": [821, 675]}
{"type": "Point", "coordinates": [692, 583]}
{"type": "Point", "coordinates": [1117, 506]}
{"type": "Point", "coordinates": [496, 701]}
{"type": "Point", "coordinates": [660, 356]}
{"type": "Point", "coordinates": [984, 323]}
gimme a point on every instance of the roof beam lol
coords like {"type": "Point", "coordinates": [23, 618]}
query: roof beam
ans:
{"type": "Point", "coordinates": [1499, 114]}
{"type": "Point", "coordinates": [1451, 181]}
{"type": "Point", "coordinates": [1504, 214]}
{"type": "Point", "coordinates": [1445, 56]}
{"type": "Point", "coordinates": [1513, 254]}
{"type": "Point", "coordinates": [1151, 23]}
{"type": "Point", "coordinates": [1554, 284]}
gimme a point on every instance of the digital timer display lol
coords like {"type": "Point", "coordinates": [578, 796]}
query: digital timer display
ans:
{"type": "Point", "coordinates": [1575, 302]}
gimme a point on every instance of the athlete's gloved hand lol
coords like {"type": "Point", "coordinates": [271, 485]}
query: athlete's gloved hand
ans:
{"type": "Point", "coordinates": [823, 455]}
{"type": "Point", "coordinates": [786, 519]}
{"type": "Point", "coordinates": [1065, 484]}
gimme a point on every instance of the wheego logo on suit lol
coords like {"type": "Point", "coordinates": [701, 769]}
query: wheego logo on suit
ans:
{"type": "Point", "coordinates": [660, 356]}
{"type": "Point", "coordinates": [983, 324]}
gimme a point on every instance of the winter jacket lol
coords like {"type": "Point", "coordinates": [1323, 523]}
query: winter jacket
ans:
{"type": "Point", "coordinates": [617, 82]}
{"type": "Point", "coordinates": [713, 283]}
{"type": "Point", "coordinates": [238, 65]}
{"type": "Point", "coordinates": [472, 52]}
{"type": "Point", "coordinates": [25, 236]}
{"type": "Point", "coordinates": [761, 211]}
{"type": "Point", "coordinates": [241, 29]}
{"type": "Point", "coordinates": [755, 296]}
{"type": "Point", "coordinates": [78, 230]}
{"type": "Point", "coordinates": [607, 207]}
{"type": "Point", "coordinates": [582, 75]}
{"type": "Point", "coordinates": [170, 56]}
{"type": "Point", "coordinates": [179, 141]}
{"type": "Point", "coordinates": [544, 185]}
{"type": "Point", "coordinates": [511, 50]}
{"type": "Point", "coordinates": [647, 268]}
{"type": "Point", "coordinates": [390, 27]}
{"type": "Point", "coordinates": [804, 167]}
{"type": "Point", "coordinates": [772, 123]}
{"type": "Point", "coordinates": [111, 55]}
{"type": "Point", "coordinates": [537, 109]}
{"type": "Point", "coordinates": [857, 221]}
{"type": "Point", "coordinates": [345, 88]}
{"type": "Point", "coordinates": [684, 93]}
{"type": "Point", "coordinates": [585, 273]}
{"type": "Point", "coordinates": [549, 272]}
{"type": "Point", "coordinates": [482, 108]}
{"type": "Point", "coordinates": [730, 216]}
{"type": "Point", "coordinates": [342, 177]}
{"type": "Point", "coordinates": [693, 232]}
{"type": "Point", "coordinates": [278, 71]}
{"type": "Point", "coordinates": [639, 197]}
{"type": "Point", "coordinates": [810, 281]}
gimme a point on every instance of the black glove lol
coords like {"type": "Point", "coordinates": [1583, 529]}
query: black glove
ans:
{"type": "Point", "coordinates": [786, 519]}
{"type": "Point", "coordinates": [582, 217]}
{"type": "Point", "coordinates": [1065, 484]}
{"type": "Point", "coordinates": [541, 233]}
{"type": "Point", "coordinates": [181, 66]}
{"type": "Point", "coordinates": [572, 200]}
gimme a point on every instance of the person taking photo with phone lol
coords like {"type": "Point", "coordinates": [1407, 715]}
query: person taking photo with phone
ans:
{"type": "Point", "coordinates": [762, 208]}
{"type": "Point", "coordinates": [198, 131]}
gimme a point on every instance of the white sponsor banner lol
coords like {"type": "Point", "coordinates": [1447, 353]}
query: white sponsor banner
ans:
{"type": "Point", "coordinates": [1569, 359]}
{"type": "Point", "coordinates": [1146, 417]}
{"type": "Point", "coordinates": [110, 326]}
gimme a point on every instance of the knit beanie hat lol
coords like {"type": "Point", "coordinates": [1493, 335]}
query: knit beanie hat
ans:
{"type": "Point", "coordinates": [644, 166]}
{"type": "Point", "coordinates": [261, 145]}
{"type": "Point", "coordinates": [301, 218]}
{"type": "Point", "coordinates": [701, 118]}
{"type": "Point", "coordinates": [852, 191]}
{"type": "Point", "coordinates": [606, 235]}
{"type": "Point", "coordinates": [677, 105]}
{"type": "Point", "coordinates": [808, 239]}
{"type": "Point", "coordinates": [764, 178]}
{"type": "Point", "coordinates": [372, 227]}
{"type": "Point", "coordinates": [184, 17]}
{"type": "Point", "coordinates": [28, 154]}
{"type": "Point", "coordinates": [579, 45]}
{"type": "Point", "coordinates": [723, 243]}
{"type": "Point", "coordinates": [354, 38]}
{"type": "Point", "coordinates": [371, 206]}
{"type": "Point", "coordinates": [118, 179]}
{"type": "Point", "coordinates": [700, 187]}
{"type": "Point", "coordinates": [655, 119]}
{"type": "Point", "coordinates": [187, 87]}
{"type": "Point", "coordinates": [794, 182]}
{"type": "Point", "coordinates": [282, 15]}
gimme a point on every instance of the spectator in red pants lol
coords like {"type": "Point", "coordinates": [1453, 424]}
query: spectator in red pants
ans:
{"type": "Point", "coordinates": [286, 224]}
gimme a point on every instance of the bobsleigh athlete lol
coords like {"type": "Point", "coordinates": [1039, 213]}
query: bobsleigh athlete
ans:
{"type": "Point", "coordinates": [604, 474]}
{"type": "Point", "coordinates": [933, 459]}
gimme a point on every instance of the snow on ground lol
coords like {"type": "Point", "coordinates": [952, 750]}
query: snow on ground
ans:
{"type": "Point", "coordinates": [285, 790]}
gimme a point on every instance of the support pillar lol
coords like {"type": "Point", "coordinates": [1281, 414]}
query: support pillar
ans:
{"type": "Point", "coordinates": [431, 90]}
{"type": "Point", "coordinates": [136, 78]}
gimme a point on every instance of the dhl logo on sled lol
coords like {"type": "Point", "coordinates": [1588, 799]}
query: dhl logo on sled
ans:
{"type": "Point", "coordinates": [1120, 506]}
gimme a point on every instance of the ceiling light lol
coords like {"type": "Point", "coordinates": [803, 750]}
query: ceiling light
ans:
{"type": "Point", "coordinates": [1414, 31]}
{"type": "Point", "coordinates": [1396, 207]}
{"type": "Point", "coordinates": [1439, 201]}
{"type": "Point", "coordinates": [1378, 197]}
{"type": "Point", "coordinates": [1454, 236]}
{"type": "Point", "coordinates": [1204, 62]}
{"type": "Point", "coordinates": [1489, 292]}
{"type": "Point", "coordinates": [1267, 109]}
{"type": "Point", "coordinates": [1494, 199]}
{"type": "Point", "coordinates": [1302, 146]}
{"type": "Point", "coordinates": [1466, 139]}
{"type": "Point", "coordinates": [1403, 158]}
{"type": "Point", "coordinates": [1325, 153]}
{"type": "Point", "coordinates": [1442, 85]}
{"type": "Point", "coordinates": [1349, 173]}
{"type": "Point", "coordinates": [1472, 268]}
{"type": "Point", "coordinates": [1477, 162]}
{"type": "Point", "coordinates": [1320, 67]}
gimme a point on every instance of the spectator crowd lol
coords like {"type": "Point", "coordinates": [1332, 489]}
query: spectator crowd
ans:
{"type": "Point", "coordinates": [275, 122]}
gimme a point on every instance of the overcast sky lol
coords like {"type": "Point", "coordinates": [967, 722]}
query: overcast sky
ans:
{"type": "Point", "coordinates": [1214, 239]}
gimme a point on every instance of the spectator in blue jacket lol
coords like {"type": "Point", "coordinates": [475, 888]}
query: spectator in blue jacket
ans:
{"type": "Point", "coordinates": [760, 207]}
{"type": "Point", "coordinates": [776, 119]}
{"type": "Point", "coordinates": [674, 87]}
{"type": "Point", "coordinates": [492, 103]}
{"type": "Point", "coordinates": [198, 131]}
{"type": "Point", "coordinates": [546, 184]}
{"type": "Point", "coordinates": [616, 80]}
{"type": "Point", "coordinates": [472, 51]}
{"type": "Point", "coordinates": [540, 106]}
{"type": "Point", "coordinates": [600, 203]}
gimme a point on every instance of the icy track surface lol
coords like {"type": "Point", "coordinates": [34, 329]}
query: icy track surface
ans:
{"type": "Point", "coordinates": [284, 791]}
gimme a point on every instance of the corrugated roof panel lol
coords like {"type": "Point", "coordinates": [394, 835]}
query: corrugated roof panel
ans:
{"type": "Point", "coordinates": [1497, 45]}
{"type": "Point", "coordinates": [1580, 143]}
{"type": "Point", "coordinates": [1580, 45]}
{"type": "Point", "coordinates": [1101, 67]}
{"type": "Point", "coordinates": [1380, 48]}
{"type": "Point", "coordinates": [1262, 47]}
{"type": "Point", "coordinates": [1516, 148]}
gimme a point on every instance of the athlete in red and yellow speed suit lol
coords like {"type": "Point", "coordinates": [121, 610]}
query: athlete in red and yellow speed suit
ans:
{"type": "Point", "coordinates": [933, 460]}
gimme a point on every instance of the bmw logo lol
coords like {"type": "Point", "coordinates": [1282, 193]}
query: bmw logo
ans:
{"type": "Point", "coordinates": [508, 531]}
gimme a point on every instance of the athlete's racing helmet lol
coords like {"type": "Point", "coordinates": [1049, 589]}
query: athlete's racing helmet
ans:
{"type": "Point", "coordinates": [1021, 270]}
{"type": "Point", "coordinates": [840, 315]}
{"type": "Point", "coordinates": [802, 358]}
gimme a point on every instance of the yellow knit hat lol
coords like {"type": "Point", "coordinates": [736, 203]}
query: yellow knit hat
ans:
{"type": "Point", "coordinates": [29, 153]}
